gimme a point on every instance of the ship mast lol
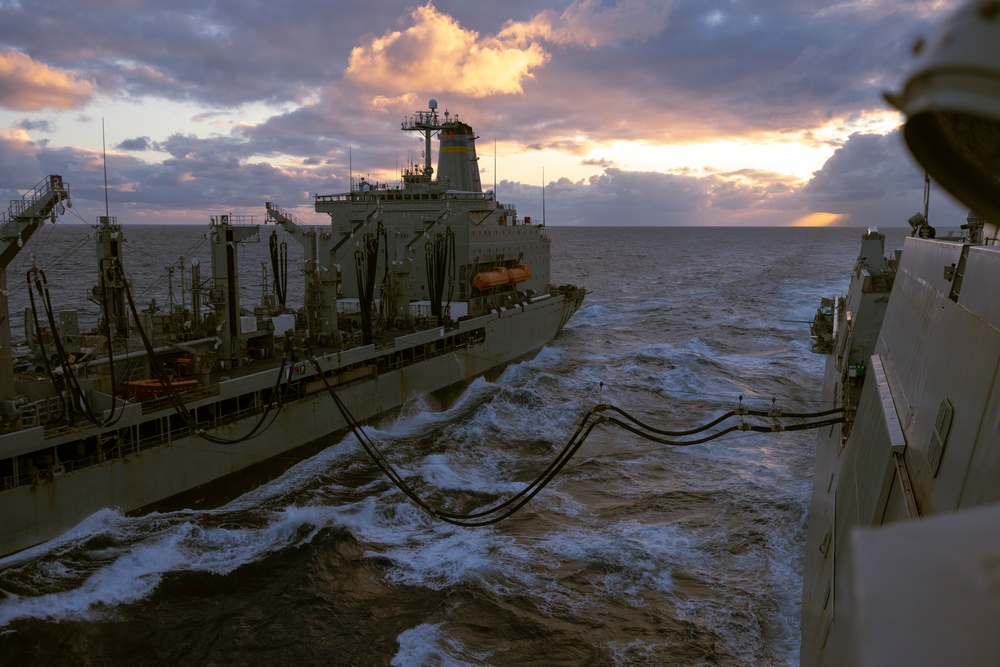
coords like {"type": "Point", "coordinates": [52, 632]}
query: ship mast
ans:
{"type": "Point", "coordinates": [226, 232]}
{"type": "Point", "coordinates": [458, 165]}
{"type": "Point", "coordinates": [109, 293]}
{"type": "Point", "coordinates": [427, 123]}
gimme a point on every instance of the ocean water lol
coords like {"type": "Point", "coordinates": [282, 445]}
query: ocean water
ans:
{"type": "Point", "coordinates": [637, 554]}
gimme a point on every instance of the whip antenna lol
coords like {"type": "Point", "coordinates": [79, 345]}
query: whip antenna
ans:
{"type": "Point", "coordinates": [104, 148]}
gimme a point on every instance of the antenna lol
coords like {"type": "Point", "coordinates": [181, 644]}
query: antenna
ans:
{"type": "Point", "coordinates": [543, 196]}
{"type": "Point", "coordinates": [495, 168]}
{"type": "Point", "coordinates": [104, 148]}
{"type": "Point", "coordinates": [927, 196]}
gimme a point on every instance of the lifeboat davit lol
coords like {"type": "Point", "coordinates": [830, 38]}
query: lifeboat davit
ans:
{"type": "Point", "coordinates": [142, 389]}
{"type": "Point", "coordinates": [489, 279]}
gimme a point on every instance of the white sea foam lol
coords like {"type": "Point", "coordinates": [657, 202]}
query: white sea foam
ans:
{"type": "Point", "coordinates": [427, 644]}
{"type": "Point", "coordinates": [126, 579]}
{"type": "Point", "coordinates": [593, 315]}
{"type": "Point", "coordinates": [443, 560]}
{"type": "Point", "coordinates": [444, 472]}
{"type": "Point", "coordinates": [133, 568]}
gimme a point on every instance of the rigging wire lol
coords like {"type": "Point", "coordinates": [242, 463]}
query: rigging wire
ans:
{"type": "Point", "coordinates": [70, 253]}
{"type": "Point", "coordinates": [440, 264]}
{"type": "Point", "coordinates": [158, 282]}
{"type": "Point", "coordinates": [41, 345]}
{"type": "Point", "coordinates": [366, 270]}
{"type": "Point", "coordinates": [70, 381]}
{"type": "Point", "coordinates": [40, 238]}
{"type": "Point", "coordinates": [279, 267]}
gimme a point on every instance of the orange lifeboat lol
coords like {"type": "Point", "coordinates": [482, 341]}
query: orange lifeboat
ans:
{"type": "Point", "coordinates": [489, 279]}
{"type": "Point", "coordinates": [518, 273]}
{"type": "Point", "coordinates": [143, 389]}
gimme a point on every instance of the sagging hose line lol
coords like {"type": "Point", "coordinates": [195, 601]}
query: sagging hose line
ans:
{"type": "Point", "coordinates": [719, 420]}
{"type": "Point", "coordinates": [672, 443]}
{"type": "Point", "coordinates": [41, 343]}
{"type": "Point", "coordinates": [279, 267]}
{"type": "Point", "coordinates": [590, 420]}
{"type": "Point", "coordinates": [472, 519]}
{"type": "Point", "coordinates": [744, 427]}
{"type": "Point", "coordinates": [807, 415]}
{"type": "Point", "coordinates": [699, 429]}
{"type": "Point", "coordinates": [75, 394]}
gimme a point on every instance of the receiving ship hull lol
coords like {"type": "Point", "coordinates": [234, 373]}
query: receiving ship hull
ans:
{"type": "Point", "coordinates": [921, 440]}
{"type": "Point", "coordinates": [150, 456]}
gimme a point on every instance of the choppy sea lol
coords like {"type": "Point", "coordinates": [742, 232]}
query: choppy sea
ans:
{"type": "Point", "coordinates": [637, 554]}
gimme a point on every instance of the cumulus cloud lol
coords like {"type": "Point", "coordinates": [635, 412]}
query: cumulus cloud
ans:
{"type": "Point", "coordinates": [631, 198]}
{"type": "Point", "coordinates": [752, 189]}
{"type": "Point", "coordinates": [564, 76]}
{"type": "Point", "coordinates": [136, 144]}
{"type": "Point", "coordinates": [867, 166]}
{"type": "Point", "coordinates": [592, 23]}
{"type": "Point", "coordinates": [29, 85]}
{"type": "Point", "coordinates": [24, 162]}
{"type": "Point", "coordinates": [871, 180]}
{"type": "Point", "coordinates": [36, 125]}
{"type": "Point", "coordinates": [436, 53]}
{"type": "Point", "coordinates": [868, 181]}
{"type": "Point", "coordinates": [603, 163]}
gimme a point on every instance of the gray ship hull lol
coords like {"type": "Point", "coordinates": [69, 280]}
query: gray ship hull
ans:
{"type": "Point", "coordinates": [923, 441]}
{"type": "Point", "coordinates": [150, 469]}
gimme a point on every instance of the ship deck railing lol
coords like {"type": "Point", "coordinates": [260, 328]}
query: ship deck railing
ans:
{"type": "Point", "coordinates": [398, 194]}
{"type": "Point", "coordinates": [9, 228]}
{"type": "Point", "coordinates": [134, 443]}
{"type": "Point", "coordinates": [120, 450]}
{"type": "Point", "coordinates": [168, 429]}
{"type": "Point", "coordinates": [154, 404]}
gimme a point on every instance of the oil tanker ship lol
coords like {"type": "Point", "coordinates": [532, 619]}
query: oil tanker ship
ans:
{"type": "Point", "coordinates": [902, 560]}
{"type": "Point", "coordinates": [412, 288]}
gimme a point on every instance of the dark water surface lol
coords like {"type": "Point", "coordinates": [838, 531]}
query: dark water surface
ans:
{"type": "Point", "coordinates": [637, 554]}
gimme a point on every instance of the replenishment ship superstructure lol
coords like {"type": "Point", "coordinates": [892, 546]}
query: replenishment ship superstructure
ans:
{"type": "Point", "coordinates": [411, 288]}
{"type": "Point", "coordinates": [903, 553]}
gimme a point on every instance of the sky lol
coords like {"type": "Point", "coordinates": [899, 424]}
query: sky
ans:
{"type": "Point", "coordinates": [630, 112]}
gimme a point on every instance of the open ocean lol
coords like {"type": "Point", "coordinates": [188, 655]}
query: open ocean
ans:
{"type": "Point", "coordinates": [637, 554]}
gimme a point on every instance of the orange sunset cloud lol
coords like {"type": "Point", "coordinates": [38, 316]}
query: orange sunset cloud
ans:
{"type": "Point", "coordinates": [437, 53]}
{"type": "Point", "coordinates": [28, 85]}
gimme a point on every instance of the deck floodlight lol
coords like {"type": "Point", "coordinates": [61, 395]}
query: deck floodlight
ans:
{"type": "Point", "coordinates": [952, 104]}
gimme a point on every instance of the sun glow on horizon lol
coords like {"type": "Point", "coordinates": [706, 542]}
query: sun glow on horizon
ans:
{"type": "Point", "coordinates": [717, 157]}
{"type": "Point", "coordinates": [791, 158]}
{"type": "Point", "coordinates": [819, 220]}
